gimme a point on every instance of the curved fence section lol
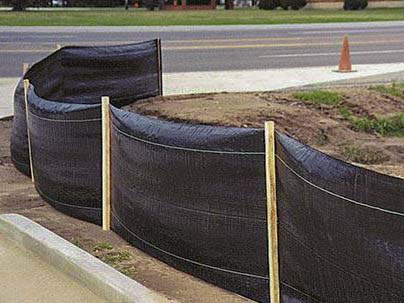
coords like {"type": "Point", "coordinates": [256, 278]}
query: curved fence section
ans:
{"type": "Point", "coordinates": [66, 155]}
{"type": "Point", "coordinates": [81, 75]}
{"type": "Point", "coordinates": [341, 227]}
{"type": "Point", "coordinates": [18, 140]}
{"type": "Point", "coordinates": [194, 195]}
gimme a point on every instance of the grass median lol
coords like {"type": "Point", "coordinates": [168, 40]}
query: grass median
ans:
{"type": "Point", "coordinates": [116, 17]}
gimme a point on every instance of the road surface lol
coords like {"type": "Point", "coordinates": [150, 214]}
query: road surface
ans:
{"type": "Point", "coordinates": [218, 48]}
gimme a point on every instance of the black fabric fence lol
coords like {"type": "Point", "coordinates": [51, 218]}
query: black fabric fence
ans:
{"type": "Point", "coordinates": [66, 155]}
{"type": "Point", "coordinates": [194, 195]}
{"type": "Point", "coordinates": [341, 227]}
{"type": "Point", "coordinates": [65, 118]}
{"type": "Point", "coordinates": [81, 75]}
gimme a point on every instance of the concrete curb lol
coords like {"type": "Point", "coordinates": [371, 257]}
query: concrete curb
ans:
{"type": "Point", "coordinates": [383, 79]}
{"type": "Point", "coordinates": [97, 276]}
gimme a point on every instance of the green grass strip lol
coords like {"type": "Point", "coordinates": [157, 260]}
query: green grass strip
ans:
{"type": "Point", "coordinates": [395, 89]}
{"type": "Point", "coordinates": [319, 97]}
{"type": "Point", "coordinates": [120, 17]}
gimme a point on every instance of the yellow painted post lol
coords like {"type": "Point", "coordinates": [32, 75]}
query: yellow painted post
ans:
{"type": "Point", "coordinates": [106, 164]}
{"type": "Point", "coordinates": [26, 85]}
{"type": "Point", "coordinates": [25, 67]}
{"type": "Point", "coordinates": [272, 218]}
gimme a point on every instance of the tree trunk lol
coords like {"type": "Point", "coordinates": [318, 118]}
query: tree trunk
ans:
{"type": "Point", "coordinates": [19, 5]}
{"type": "Point", "coordinates": [229, 4]}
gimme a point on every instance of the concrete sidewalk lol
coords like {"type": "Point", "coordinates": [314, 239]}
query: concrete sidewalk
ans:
{"type": "Point", "coordinates": [248, 80]}
{"type": "Point", "coordinates": [7, 86]}
{"type": "Point", "coordinates": [42, 282]}
{"type": "Point", "coordinates": [266, 80]}
{"type": "Point", "coordinates": [54, 270]}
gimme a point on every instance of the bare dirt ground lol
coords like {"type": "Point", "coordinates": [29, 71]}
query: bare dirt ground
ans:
{"type": "Point", "coordinates": [337, 129]}
{"type": "Point", "coordinates": [17, 195]}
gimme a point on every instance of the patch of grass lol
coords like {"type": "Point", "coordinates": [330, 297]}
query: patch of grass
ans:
{"type": "Point", "coordinates": [115, 257]}
{"type": "Point", "coordinates": [364, 124]}
{"type": "Point", "coordinates": [319, 97]}
{"type": "Point", "coordinates": [103, 246]}
{"type": "Point", "coordinates": [127, 270]}
{"type": "Point", "coordinates": [363, 155]}
{"type": "Point", "coordinates": [385, 126]}
{"type": "Point", "coordinates": [345, 112]}
{"type": "Point", "coordinates": [394, 89]}
{"type": "Point", "coordinates": [120, 17]}
{"type": "Point", "coordinates": [392, 125]}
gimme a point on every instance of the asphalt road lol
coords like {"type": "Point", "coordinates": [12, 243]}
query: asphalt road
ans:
{"type": "Point", "coordinates": [218, 48]}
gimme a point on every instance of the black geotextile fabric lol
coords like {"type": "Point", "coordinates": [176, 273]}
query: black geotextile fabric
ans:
{"type": "Point", "coordinates": [66, 155]}
{"type": "Point", "coordinates": [18, 140]}
{"type": "Point", "coordinates": [203, 212]}
{"type": "Point", "coordinates": [341, 227]}
{"type": "Point", "coordinates": [194, 197]}
{"type": "Point", "coordinates": [82, 75]}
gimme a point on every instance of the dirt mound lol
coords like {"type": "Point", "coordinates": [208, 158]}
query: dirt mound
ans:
{"type": "Point", "coordinates": [364, 126]}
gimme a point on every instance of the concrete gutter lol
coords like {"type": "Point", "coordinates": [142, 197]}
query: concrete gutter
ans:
{"type": "Point", "coordinates": [97, 276]}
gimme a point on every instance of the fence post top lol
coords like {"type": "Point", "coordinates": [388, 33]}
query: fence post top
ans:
{"type": "Point", "coordinates": [105, 99]}
{"type": "Point", "coordinates": [26, 84]}
{"type": "Point", "coordinates": [25, 67]}
{"type": "Point", "coordinates": [269, 124]}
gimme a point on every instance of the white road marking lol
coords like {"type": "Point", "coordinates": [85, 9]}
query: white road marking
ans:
{"type": "Point", "coordinates": [30, 35]}
{"type": "Point", "coordinates": [393, 51]}
{"type": "Point", "coordinates": [354, 31]}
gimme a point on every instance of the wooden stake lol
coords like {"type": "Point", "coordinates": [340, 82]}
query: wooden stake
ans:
{"type": "Point", "coordinates": [26, 86]}
{"type": "Point", "coordinates": [272, 213]}
{"type": "Point", "coordinates": [106, 165]}
{"type": "Point", "coordinates": [160, 67]}
{"type": "Point", "coordinates": [25, 67]}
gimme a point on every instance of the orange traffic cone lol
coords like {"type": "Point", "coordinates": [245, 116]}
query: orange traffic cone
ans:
{"type": "Point", "coordinates": [345, 65]}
